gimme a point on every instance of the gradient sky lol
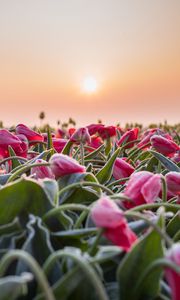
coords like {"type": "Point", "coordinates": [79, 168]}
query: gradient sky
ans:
{"type": "Point", "coordinates": [132, 48]}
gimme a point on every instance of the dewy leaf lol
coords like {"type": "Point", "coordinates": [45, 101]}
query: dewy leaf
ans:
{"type": "Point", "coordinates": [106, 172]}
{"type": "Point", "coordinates": [174, 225]}
{"type": "Point", "coordinates": [22, 197]}
{"type": "Point", "coordinates": [12, 287]}
{"type": "Point", "coordinates": [38, 244]}
{"type": "Point", "coordinates": [166, 162]}
{"type": "Point", "coordinates": [148, 249]}
{"type": "Point", "coordinates": [78, 194]}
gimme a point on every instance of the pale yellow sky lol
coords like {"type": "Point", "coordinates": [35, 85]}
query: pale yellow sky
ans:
{"type": "Point", "coordinates": [48, 47]}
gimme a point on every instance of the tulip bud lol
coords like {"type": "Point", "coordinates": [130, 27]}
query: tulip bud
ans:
{"type": "Point", "coordinates": [164, 145]}
{"type": "Point", "coordinates": [94, 128]}
{"type": "Point", "coordinates": [106, 132]}
{"type": "Point", "coordinates": [173, 182]}
{"type": "Point", "coordinates": [173, 278]}
{"type": "Point", "coordinates": [41, 172]}
{"type": "Point", "coordinates": [8, 139]}
{"type": "Point", "coordinates": [62, 165]}
{"type": "Point", "coordinates": [122, 169]}
{"type": "Point", "coordinates": [59, 144]}
{"type": "Point", "coordinates": [106, 214]}
{"type": "Point", "coordinates": [143, 187]}
{"type": "Point", "coordinates": [129, 136]}
{"type": "Point", "coordinates": [29, 133]}
{"type": "Point", "coordinates": [81, 135]}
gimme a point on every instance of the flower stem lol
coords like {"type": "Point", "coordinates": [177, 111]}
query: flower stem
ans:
{"type": "Point", "coordinates": [84, 265]}
{"type": "Point", "coordinates": [8, 258]}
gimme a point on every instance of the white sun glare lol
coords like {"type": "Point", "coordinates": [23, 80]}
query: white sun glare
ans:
{"type": "Point", "coordinates": [89, 84]}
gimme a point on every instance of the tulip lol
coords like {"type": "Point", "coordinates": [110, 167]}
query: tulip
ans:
{"type": "Point", "coordinates": [107, 132]}
{"type": "Point", "coordinates": [96, 142]}
{"type": "Point", "coordinates": [173, 182]}
{"type": "Point", "coordinates": [146, 138]}
{"type": "Point", "coordinates": [59, 144]}
{"type": "Point", "coordinates": [60, 133]}
{"type": "Point", "coordinates": [94, 128]}
{"type": "Point", "coordinates": [129, 136]}
{"type": "Point", "coordinates": [9, 139]}
{"type": "Point", "coordinates": [122, 169]}
{"type": "Point", "coordinates": [41, 172]}
{"type": "Point", "coordinates": [143, 187]}
{"type": "Point", "coordinates": [30, 134]}
{"type": "Point", "coordinates": [107, 215]}
{"type": "Point", "coordinates": [81, 135]}
{"type": "Point", "coordinates": [63, 165]}
{"type": "Point", "coordinates": [23, 149]}
{"type": "Point", "coordinates": [164, 145]}
{"type": "Point", "coordinates": [173, 278]}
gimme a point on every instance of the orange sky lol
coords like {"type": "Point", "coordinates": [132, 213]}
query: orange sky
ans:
{"type": "Point", "coordinates": [48, 47]}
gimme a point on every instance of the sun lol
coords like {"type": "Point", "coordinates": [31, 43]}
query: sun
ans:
{"type": "Point", "coordinates": [89, 85]}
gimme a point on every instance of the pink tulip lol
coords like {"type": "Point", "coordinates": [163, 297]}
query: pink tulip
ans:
{"type": "Point", "coordinates": [106, 132]}
{"type": "Point", "coordinates": [122, 169]}
{"type": "Point", "coordinates": [81, 135]}
{"type": "Point", "coordinates": [129, 136]}
{"type": "Point", "coordinates": [106, 214]}
{"type": "Point", "coordinates": [59, 144]}
{"type": "Point", "coordinates": [9, 139]}
{"type": "Point", "coordinates": [63, 165]}
{"type": "Point", "coordinates": [164, 145]}
{"type": "Point", "coordinates": [173, 182]}
{"type": "Point", "coordinates": [95, 143]}
{"type": "Point", "coordinates": [94, 128]}
{"type": "Point", "coordinates": [173, 278]}
{"type": "Point", "coordinates": [41, 172]}
{"type": "Point", "coordinates": [29, 133]}
{"type": "Point", "coordinates": [143, 187]}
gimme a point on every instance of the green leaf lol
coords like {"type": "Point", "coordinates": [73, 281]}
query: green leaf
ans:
{"type": "Point", "coordinates": [51, 188]}
{"type": "Point", "coordinates": [38, 244]}
{"type": "Point", "coordinates": [78, 194]}
{"type": "Point", "coordinates": [148, 249]}
{"type": "Point", "coordinates": [22, 197]}
{"type": "Point", "coordinates": [12, 287]}
{"type": "Point", "coordinates": [166, 162]}
{"type": "Point", "coordinates": [174, 225]}
{"type": "Point", "coordinates": [67, 148]}
{"type": "Point", "coordinates": [106, 172]}
{"type": "Point", "coordinates": [15, 162]}
{"type": "Point", "coordinates": [94, 153]}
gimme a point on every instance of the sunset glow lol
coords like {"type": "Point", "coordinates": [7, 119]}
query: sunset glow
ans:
{"type": "Point", "coordinates": [63, 58]}
{"type": "Point", "coordinates": [89, 85]}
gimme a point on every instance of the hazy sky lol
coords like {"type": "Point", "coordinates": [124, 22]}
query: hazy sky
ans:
{"type": "Point", "coordinates": [131, 47]}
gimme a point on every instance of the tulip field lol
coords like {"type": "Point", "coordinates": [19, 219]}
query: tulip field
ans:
{"type": "Point", "coordinates": [90, 213]}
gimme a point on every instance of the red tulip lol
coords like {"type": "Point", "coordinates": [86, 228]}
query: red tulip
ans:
{"type": "Point", "coordinates": [173, 278]}
{"type": "Point", "coordinates": [129, 136]}
{"type": "Point", "coordinates": [146, 138]}
{"type": "Point", "coordinates": [122, 169]}
{"type": "Point", "coordinates": [106, 132]}
{"type": "Point", "coordinates": [173, 182]}
{"type": "Point", "coordinates": [9, 139]}
{"type": "Point", "coordinates": [94, 128]}
{"type": "Point", "coordinates": [143, 187]}
{"type": "Point", "coordinates": [29, 133]}
{"type": "Point", "coordinates": [23, 149]}
{"type": "Point", "coordinates": [164, 145]}
{"type": "Point", "coordinates": [96, 142]}
{"type": "Point", "coordinates": [59, 144]}
{"type": "Point", "coordinates": [60, 133]}
{"type": "Point", "coordinates": [63, 165]}
{"type": "Point", "coordinates": [41, 172]}
{"type": "Point", "coordinates": [81, 135]}
{"type": "Point", "coordinates": [106, 214]}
